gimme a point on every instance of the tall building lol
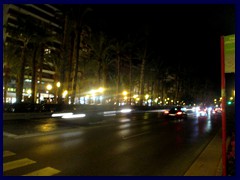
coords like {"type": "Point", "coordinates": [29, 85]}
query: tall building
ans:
{"type": "Point", "coordinates": [46, 15]}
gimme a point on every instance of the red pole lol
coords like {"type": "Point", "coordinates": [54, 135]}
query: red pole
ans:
{"type": "Point", "coordinates": [223, 94]}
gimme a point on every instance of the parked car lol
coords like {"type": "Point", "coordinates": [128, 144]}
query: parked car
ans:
{"type": "Point", "coordinates": [20, 107]}
{"type": "Point", "coordinates": [25, 107]}
{"type": "Point", "coordinates": [177, 112]}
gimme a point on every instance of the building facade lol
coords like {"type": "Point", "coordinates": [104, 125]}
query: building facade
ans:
{"type": "Point", "coordinates": [45, 15]}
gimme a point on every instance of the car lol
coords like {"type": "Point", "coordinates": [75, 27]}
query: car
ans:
{"type": "Point", "coordinates": [177, 112]}
{"type": "Point", "coordinates": [202, 112]}
{"type": "Point", "coordinates": [24, 107]}
{"type": "Point", "coordinates": [217, 111]}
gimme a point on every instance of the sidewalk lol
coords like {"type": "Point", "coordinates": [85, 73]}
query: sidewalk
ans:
{"type": "Point", "coordinates": [209, 162]}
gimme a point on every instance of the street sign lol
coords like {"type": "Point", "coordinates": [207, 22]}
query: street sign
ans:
{"type": "Point", "coordinates": [229, 53]}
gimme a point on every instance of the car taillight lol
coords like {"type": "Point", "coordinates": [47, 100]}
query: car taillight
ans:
{"type": "Point", "coordinates": [179, 113]}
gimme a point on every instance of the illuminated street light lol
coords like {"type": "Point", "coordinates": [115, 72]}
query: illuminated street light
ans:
{"type": "Point", "coordinates": [124, 93]}
{"type": "Point", "coordinates": [58, 84]}
{"type": "Point", "coordinates": [93, 92]}
{"type": "Point", "coordinates": [29, 91]}
{"type": "Point", "coordinates": [49, 87]}
{"type": "Point", "coordinates": [135, 96]}
{"type": "Point", "coordinates": [146, 96]}
{"type": "Point", "coordinates": [100, 90]}
{"type": "Point", "coordinates": [64, 94]}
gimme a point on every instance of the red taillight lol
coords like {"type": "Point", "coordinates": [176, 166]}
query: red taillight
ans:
{"type": "Point", "coordinates": [179, 113]}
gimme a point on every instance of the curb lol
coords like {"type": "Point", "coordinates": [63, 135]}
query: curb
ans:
{"type": "Point", "coordinates": [208, 163]}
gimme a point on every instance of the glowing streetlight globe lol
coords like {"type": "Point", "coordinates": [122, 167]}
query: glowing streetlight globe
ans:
{"type": "Point", "coordinates": [49, 87]}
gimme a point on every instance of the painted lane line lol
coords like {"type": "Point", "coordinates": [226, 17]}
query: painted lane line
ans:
{"type": "Point", "coordinates": [9, 135]}
{"type": "Point", "coordinates": [16, 164]}
{"type": "Point", "coordinates": [48, 171]}
{"type": "Point", "coordinates": [133, 136]}
{"type": "Point", "coordinates": [8, 153]}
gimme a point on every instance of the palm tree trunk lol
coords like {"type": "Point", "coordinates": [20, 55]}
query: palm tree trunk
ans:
{"type": "Point", "coordinates": [77, 48]}
{"type": "Point", "coordinates": [40, 72]}
{"type": "Point", "coordinates": [6, 78]}
{"type": "Point", "coordinates": [118, 79]}
{"type": "Point", "coordinates": [142, 78]}
{"type": "Point", "coordinates": [20, 77]}
{"type": "Point", "coordinates": [34, 75]}
{"type": "Point", "coordinates": [62, 67]}
{"type": "Point", "coordinates": [130, 80]}
{"type": "Point", "coordinates": [70, 68]}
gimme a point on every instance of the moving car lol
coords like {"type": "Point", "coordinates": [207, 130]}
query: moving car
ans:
{"type": "Point", "coordinates": [177, 112]}
{"type": "Point", "coordinates": [217, 111]}
{"type": "Point", "coordinates": [202, 112]}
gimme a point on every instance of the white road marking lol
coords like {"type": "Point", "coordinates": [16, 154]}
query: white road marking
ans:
{"type": "Point", "coordinates": [48, 171]}
{"type": "Point", "coordinates": [16, 164]}
{"type": "Point", "coordinates": [8, 153]}
{"type": "Point", "coordinates": [135, 135]}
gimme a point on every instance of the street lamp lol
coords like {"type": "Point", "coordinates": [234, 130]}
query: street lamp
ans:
{"type": "Point", "coordinates": [100, 90]}
{"type": "Point", "coordinates": [49, 87]}
{"type": "Point", "coordinates": [64, 94]}
{"type": "Point", "coordinates": [124, 93]}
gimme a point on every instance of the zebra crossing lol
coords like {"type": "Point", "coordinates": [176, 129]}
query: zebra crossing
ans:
{"type": "Point", "coordinates": [24, 162]}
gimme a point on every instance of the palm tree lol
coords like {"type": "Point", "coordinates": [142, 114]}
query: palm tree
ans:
{"type": "Point", "coordinates": [27, 32]}
{"type": "Point", "coordinates": [100, 52]}
{"type": "Point", "coordinates": [22, 33]}
{"type": "Point", "coordinates": [10, 65]}
{"type": "Point", "coordinates": [119, 49]}
{"type": "Point", "coordinates": [42, 35]}
{"type": "Point", "coordinates": [154, 67]}
{"type": "Point", "coordinates": [141, 53]}
{"type": "Point", "coordinates": [63, 17]}
{"type": "Point", "coordinates": [142, 56]}
{"type": "Point", "coordinates": [79, 14]}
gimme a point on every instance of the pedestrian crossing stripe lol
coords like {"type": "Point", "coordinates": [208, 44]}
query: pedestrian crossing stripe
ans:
{"type": "Point", "coordinates": [16, 164]}
{"type": "Point", "coordinates": [48, 171]}
{"type": "Point", "coordinates": [8, 153]}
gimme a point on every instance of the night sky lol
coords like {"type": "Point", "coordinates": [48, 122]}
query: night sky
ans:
{"type": "Point", "coordinates": [179, 34]}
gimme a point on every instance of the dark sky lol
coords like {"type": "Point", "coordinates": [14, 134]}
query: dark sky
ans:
{"type": "Point", "coordinates": [178, 34]}
{"type": "Point", "coordinates": [185, 34]}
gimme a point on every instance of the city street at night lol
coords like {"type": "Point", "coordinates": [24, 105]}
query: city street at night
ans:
{"type": "Point", "coordinates": [133, 143]}
{"type": "Point", "coordinates": [119, 89]}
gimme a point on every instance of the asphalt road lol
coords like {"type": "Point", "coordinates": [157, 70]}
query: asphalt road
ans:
{"type": "Point", "coordinates": [135, 144]}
